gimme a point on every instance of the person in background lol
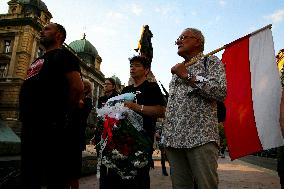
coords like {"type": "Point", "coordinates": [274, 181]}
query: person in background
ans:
{"type": "Point", "coordinates": [82, 113]}
{"type": "Point", "coordinates": [223, 140]}
{"type": "Point", "coordinates": [86, 105]}
{"type": "Point", "coordinates": [49, 96]}
{"type": "Point", "coordinates": [160, 139]}
{"type": "Point", "coordinates": [109, 91]}
{"type": "Point", "coordinates": [191, 125]}
{"type": "Point", "coordinates": [280, 150]}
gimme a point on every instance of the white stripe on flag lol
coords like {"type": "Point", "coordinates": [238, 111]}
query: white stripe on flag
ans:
{"type": "Point", "coordinates": [266, 89]}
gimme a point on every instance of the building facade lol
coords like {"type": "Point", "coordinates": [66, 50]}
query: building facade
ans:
{"type": "Point", "coordinates": [280, 64]}
{"type": "Point", "coordinates": [90, 65]}
{"type": "Point", "coordinates": [19, 46]}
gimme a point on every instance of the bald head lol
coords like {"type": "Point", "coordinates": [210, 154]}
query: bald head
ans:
{"type": "Point", "coordinates": [52, 36]}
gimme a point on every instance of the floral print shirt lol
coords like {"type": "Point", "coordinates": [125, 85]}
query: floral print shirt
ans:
{"type": "Point", "coordinates": [191, 114]}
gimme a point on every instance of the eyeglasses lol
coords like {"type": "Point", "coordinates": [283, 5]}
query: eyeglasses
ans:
{"type": "Point", "coordinates": [183, 37]}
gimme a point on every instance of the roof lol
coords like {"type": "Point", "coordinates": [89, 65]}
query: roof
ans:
{"type": "Point", "coordinates": [84, 46]}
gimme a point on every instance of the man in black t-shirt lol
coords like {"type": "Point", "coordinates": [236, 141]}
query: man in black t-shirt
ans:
{"type": "Point", "coordinates": [151, 105]}
{"type": "Point", "coordinates": [48, 97]}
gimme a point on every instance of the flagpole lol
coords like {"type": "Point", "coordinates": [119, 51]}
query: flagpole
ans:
{"type": "Point", "coordinates": [265, 27]}
{"type": "Point", "coordinates": [253, 33]}
{"type": "Point", "coordinates": [215, 51]}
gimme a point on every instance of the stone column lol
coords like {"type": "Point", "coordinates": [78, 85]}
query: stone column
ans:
{"type": "Point", "coordinates": [34, 47]}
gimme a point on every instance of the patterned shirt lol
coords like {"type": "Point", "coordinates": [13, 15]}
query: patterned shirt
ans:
{"type": "Point", "coordinates": [191, 115]}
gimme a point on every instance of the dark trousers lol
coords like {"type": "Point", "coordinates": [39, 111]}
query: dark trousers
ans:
{"type": "Point", "coordinates": [50, 156]}
{"type": "Point", "coordinates": [39, 169]}
{"type": "Point", "coordinates": [280, 165]}
{"type": "Point", "coordinates": [163, 160]}
{"type": "Point", "coordinates": [281, 180]}
{"type": "Point", "coordinates": [109, 179]}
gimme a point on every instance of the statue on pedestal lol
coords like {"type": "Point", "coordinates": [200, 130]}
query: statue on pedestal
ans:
{"type": "Point", "coordinates": [145, 49]}
{"type": "Point", "coordinates": [145, 45]}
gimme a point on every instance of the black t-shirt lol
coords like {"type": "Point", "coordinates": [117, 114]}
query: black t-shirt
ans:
{"type": "Point", "coordinates": [147, 94]}
{"type": "Point", "coordinates": [44, 93]}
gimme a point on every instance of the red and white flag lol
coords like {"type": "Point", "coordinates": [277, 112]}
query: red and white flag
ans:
{"type": "Point", "coordinates": [253, 95]}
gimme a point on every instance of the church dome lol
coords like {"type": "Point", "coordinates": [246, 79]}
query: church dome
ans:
{"type": "Point", "coordinates": [36, 3]}
{"type": "Point", "coordinates": [84, 46]}
{"type": "Point", "coordinates": [117, 80]}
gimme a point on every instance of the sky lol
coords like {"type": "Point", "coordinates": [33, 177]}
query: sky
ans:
{"type": "Point", "coordinates": [114, 26]}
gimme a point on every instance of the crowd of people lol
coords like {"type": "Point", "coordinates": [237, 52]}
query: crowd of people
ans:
{"type": "Point", "coordinates": [55, 102]}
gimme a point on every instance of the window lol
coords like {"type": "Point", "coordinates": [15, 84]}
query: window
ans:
{"type": "Point", "coordinates": [7, 46]}
{"type": "Point", "coordinates": [3, 70]}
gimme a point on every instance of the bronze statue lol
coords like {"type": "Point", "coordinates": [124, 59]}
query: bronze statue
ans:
{"type": "Point", "coordinates": [145, 45]}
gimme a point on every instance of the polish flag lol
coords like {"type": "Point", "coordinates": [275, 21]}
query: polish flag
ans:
{"type": "Point", "coordinates": [253, 95]}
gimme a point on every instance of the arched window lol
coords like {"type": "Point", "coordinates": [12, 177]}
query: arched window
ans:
{"type": "Point", "coordinates": [3, 70]}
{"type": "Point", "coordinates": [7, 46]}
{"type": "Point", "coordinates": [4, 63]}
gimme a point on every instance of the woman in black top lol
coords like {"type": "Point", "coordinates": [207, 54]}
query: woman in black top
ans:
{"type": "Point", "coordinates": [109, 91]}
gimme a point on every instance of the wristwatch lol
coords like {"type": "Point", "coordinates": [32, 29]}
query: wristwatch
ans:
{"type": "Point", "coordinates": [200, 79]}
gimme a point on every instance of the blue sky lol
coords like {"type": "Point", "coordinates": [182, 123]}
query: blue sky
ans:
{"type": "Point", "coordinates": [114, 26]}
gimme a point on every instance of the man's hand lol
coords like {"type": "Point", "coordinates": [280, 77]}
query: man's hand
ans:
{"type": "Point", "coordinates": [132, 106]}
{"type": "Point", "coordinates": [180, 70]}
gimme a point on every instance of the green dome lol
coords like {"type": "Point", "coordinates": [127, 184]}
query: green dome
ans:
{"type": "Point", "coordinates": [36, 3]}
{"type": "Point", "coordinates": [84, 46]}
{"type": "Point", "coordinates": [117, 80]}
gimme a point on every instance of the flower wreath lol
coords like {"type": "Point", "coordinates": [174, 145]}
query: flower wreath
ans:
{"type": "Point", "coordinates": [124, 145]}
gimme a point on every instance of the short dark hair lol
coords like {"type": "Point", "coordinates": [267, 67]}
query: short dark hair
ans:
{"type": "Point", "coordinates": [110, 79]}
{"type": "Point", "coordinates": [61, 30]}
{"type": "Point", "coordinates": [142, 59]}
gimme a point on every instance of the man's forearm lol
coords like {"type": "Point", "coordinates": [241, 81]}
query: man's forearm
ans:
{"type": "Point", "coordinates": [157, 111]}
{"type": "Point", "coordinates": [75, 90]}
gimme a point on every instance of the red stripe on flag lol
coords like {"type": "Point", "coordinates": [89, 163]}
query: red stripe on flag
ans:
{"type": "Point", "coordinates": [240, 128]}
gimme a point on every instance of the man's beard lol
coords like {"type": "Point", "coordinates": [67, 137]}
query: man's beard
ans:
{"type": "Point", "coordinates": [46, 42]}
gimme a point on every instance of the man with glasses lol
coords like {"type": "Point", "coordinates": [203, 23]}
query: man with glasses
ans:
{"type": "Point", "coordinates": [191, 125]}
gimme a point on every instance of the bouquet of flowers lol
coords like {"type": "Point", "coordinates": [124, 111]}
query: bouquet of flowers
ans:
{"type": "Point", "coordinates": [124, 145]}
